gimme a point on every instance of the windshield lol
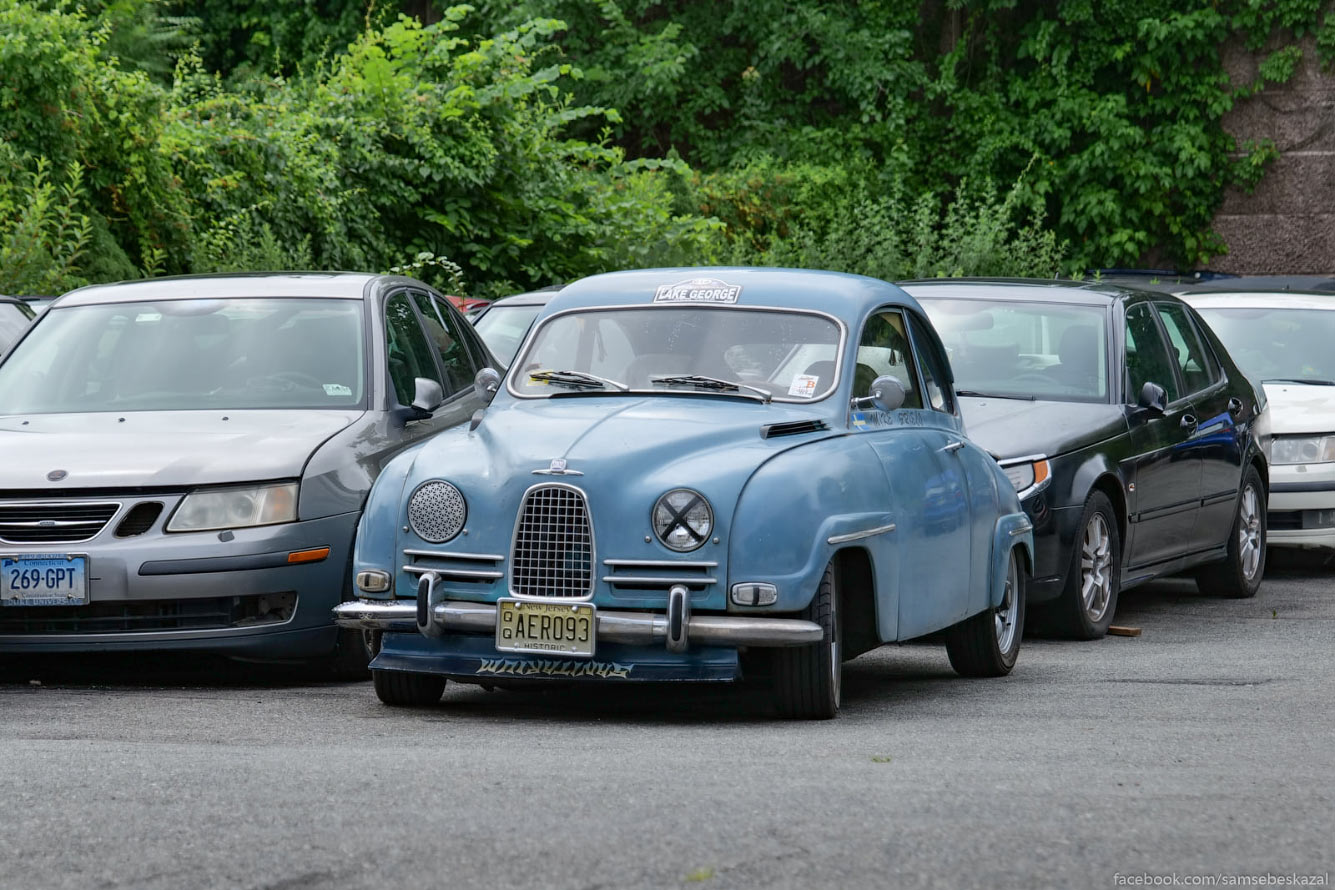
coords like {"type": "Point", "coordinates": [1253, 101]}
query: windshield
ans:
{"type": "Point", "coordinates": [503, 328]}
{"type": "Point", "coordinates": [1006, 349]}
{"type": "Point", "coordinates": [1277, 344]}
{"type": "Point", "coordinates": [188, 354]}
{"type": "Point", "coordinates": [788, 356]}
{"type": "Point", "coordinates": [14, 317]}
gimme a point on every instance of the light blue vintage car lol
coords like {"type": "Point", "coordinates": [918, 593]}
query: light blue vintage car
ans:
{"type": "Point", "coordinates": [696, 474]}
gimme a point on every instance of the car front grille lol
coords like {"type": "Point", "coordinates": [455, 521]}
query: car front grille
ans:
{"type": "Point", "coordinates": [553, 547]}
{"type": "Point", "coordinates": [54, 523]}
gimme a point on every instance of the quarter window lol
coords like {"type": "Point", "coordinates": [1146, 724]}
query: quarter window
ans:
{"type": "Point", "coordinates": [1195, 361]}
{"type": "Point", "coordinates": [1147, 354]}
{"type": "Point", "coordinates": [453, 354]}
{"type": "Point", "coordinates": [409, 352]}
{"type": "Point", "coordinates": [884, 350]}
{"type": "Point", "coordinates": [933, 367]}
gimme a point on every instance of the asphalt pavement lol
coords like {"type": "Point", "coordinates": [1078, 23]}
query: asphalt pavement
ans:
{"type": "Point", "coordinates": [1203, 747]}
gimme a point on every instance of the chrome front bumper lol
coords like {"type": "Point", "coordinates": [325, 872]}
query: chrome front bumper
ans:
{"type": "Point", "coordinates": [635, 628]}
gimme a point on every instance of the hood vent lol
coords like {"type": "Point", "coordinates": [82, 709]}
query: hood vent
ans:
{"type": "Point", "coordinates": [792, 428]}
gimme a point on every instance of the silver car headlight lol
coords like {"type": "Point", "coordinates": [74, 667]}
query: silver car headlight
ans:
{"type": "Point", "coordinates": [683, 519]}
{"type": "Point", "coordinates": [237, 506]}
{"type": "Point", "coordinates": [437, 511]}
{"type": "Point", "coordinates": [1027, 474]}
{"type": "Point", "coordinates": [1302, 449]}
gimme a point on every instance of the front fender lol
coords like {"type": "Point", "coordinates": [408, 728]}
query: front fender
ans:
{"type": "Point", "coordinates": [1012, 530]}
{"type": "Point", "coordinates": [377, 532]}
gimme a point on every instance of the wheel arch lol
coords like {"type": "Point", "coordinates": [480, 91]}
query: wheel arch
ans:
{"type": "Point", "coordinates": [855, 583]}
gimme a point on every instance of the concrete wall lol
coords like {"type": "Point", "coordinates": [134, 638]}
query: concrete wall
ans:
{"type": "Point", "coordinates": [1287, 225]}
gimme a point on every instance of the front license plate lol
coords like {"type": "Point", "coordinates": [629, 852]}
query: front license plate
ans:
{"type": "Point", "coordinates": [43, 579]}
{"type": "Point", "coordinates": [554, 628]}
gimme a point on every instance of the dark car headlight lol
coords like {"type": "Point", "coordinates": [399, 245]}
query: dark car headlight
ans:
{"type": "Point", "coordinates": [437, 511]}
{"type": "Point", "coordinates": [1026, 474]}
{"type": "Point", "coordinates": [683, 519]}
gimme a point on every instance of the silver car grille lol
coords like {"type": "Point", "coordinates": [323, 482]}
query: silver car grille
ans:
{"type": "Point", "coordinates": [553, 546]}
{"type": "Point", "coordinates": [54, 523]}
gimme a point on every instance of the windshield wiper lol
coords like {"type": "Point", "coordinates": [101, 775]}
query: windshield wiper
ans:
{"type": "Point", "coordinates": [577, 378]}
{"type": "Point", "coordinates": [994, 395]}
{"type": "Point", "coordinates": [1309, 381]}
{"type": "Point", "coordinates": [713, 383]}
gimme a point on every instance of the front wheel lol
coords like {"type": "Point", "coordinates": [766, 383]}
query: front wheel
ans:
{"type": "Point", "coordinates": [807, 679]}
{"type": "Point", "coordinates": [1239, 575]}
{"type": "Point", "coordinates": [407, 690]}
{"type": "Point", "coordinates": [987, 644]}
{"type": "Point", "coordinates": [1087, 605]}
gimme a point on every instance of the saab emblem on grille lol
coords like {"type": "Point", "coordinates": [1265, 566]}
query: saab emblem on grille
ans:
{"type": "Point", "coordinates": [56, 475]}
{"type": "Point", "coordinates": [47, 523]}
{"type": "Point", "coordinates": [557, 468]}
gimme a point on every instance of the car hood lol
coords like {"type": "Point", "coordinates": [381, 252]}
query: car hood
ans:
{"type": "Point", "coordinates": [1300, 408]}
{"type": "Point", "coordinates": [1019, 428]}
{"type": "Point", "coordinates": [140, 449]}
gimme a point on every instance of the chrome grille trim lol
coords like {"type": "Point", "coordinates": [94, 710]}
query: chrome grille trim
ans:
{"type": "Point", "coordinates": [552, 554]}
{"type": "Point", "coordinates": [463, 567]}
{"type": "Point", "coordinates": [441, 554]}
{"type": "Point", "coordinates": [661, 564]}
{"type": "Point", "coordinates": [55, 522]}
{"type": "Point", "coordinates": [642, 574]}
{"type": "Point", "coordinates": [461, 574]}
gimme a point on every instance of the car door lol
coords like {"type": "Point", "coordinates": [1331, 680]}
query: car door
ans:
{"type": "Point", "coordinates": [1163, 469]}
{"type": "Point", "coordinates": [1217, 440]}
{"type": "Point", "coordinates": [416, 347]}
{"type": "Point", "coordinates": [917, 447]}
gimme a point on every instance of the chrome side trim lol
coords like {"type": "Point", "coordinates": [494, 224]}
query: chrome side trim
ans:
{"type": "Point", "coordinates": [440, 554]}
{"type": "Point", "coordinates": [658, 564]}
{"type": "Point", "coordinates": [688, 580]}
{"type": "Point", "coordinates": [636, 628]}
{"type": "Point", "coordinates": [857, 536]}
{"type": "Point", "coordinates": [453, 573]}
{"type": "Point", "coordinates": [1021, 529]}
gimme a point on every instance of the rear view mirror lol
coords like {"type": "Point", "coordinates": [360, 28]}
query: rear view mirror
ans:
{"type": "Point", "coordinates": [487, 381]}
{"type": "Point", "coordinates": [427, 396]}
{"type": "Point", "coordinates": [1153, 398]}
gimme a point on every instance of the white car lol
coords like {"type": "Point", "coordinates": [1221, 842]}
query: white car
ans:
{"type": "Point", "coordinates": [1284, 342]}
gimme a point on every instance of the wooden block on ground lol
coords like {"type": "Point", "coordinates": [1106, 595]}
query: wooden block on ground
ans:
{"type": "Point", "coordinates": [1119, 631]}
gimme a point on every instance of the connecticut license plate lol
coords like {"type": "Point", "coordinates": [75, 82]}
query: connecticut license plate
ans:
{"type": "Point", "coordinates": [555, 628]}
{"type": "Point", "coordinates": [43, 579]}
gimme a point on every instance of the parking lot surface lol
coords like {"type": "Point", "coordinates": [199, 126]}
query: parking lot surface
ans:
{"type": "Point", "coordinates": [1202, 747]}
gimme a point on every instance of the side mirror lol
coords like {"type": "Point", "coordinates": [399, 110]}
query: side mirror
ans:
{"type": "Point", "coordinates": [886, 393]}
{"type": "Point", "coordinates": [427, 396]}
{"type": "Point", "coordinates": [1153, 398]}
{"type": "Point", "coordinates": [487, 381]}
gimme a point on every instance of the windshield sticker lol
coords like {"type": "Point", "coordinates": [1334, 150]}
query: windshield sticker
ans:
{"type": "Point", "coordinates": [337, 389]}
{"type": "Point", "coordinates": [698, 290]}
{"type": "Point", "coordinates": [804, 386]}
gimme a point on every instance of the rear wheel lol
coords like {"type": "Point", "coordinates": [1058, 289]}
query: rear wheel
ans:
{"type": "Point", "coordinates": [1087, 605]}
{"type": "Point", "coordinates": [807, 679]}
{"type": "Point", "coordinates": [407, 690]}
{"type": "Point", "coordinates": [1239, 575]}
{"type": "Point", "coordinates": [987, 644]}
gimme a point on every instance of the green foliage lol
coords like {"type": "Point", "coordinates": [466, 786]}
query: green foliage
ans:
{"type": "Point", "coordinates": [42, 236]}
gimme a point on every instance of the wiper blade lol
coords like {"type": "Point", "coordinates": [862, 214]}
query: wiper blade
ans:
{"type": "Point", "coordinates": [713, 383]}
{"type": "Point", "coordinates": [1309, 381]}
{"type": "Point", "coordinates": [994, 395]}
{"type": "Point", "coordinates": [577, 378]}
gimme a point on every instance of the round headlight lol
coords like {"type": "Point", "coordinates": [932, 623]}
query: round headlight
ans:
{"type": "Point", "coordinates": [682, 519]}
{"type": "Point", "coordinates": [437, 511]}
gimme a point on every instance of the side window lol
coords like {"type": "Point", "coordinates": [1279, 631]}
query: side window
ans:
{"type": "Point", "coordinates": [933, 367]}
{"type": "Point", "coordinates": [1147, 354]}
{"type": "Point", "coordinates": [409, 352]}
{"type": "Point", "coordinates": [884, 349]}
{"type": "Point", "coordinates": [470, 337]}
{"type": "Point", "coordinates": [1199, 370]}
{"type": "Point", "coordinates": [441, 329]}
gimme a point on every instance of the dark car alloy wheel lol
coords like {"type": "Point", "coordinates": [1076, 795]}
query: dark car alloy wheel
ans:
{"type": "Point", "coordinates": [1089, 601]}
{"type": "Point", "coordinates": [1239, 575]}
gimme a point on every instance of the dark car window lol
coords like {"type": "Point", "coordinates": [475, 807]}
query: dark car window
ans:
{"type": "Point", "coordinates": [409, 351]}
{"type": "Point", "coordinates": [443, 332]}
{"type": "Point", "coordinates": [1146, 354]}
{"type": "Point", "coordinates": [933, 371]}
{"type": "Point", "coordinates": [884, 350]}
{"type": "Point", "coordinates": [481, 357]}
{"type": "Point", "coordinates": [1195, 361]}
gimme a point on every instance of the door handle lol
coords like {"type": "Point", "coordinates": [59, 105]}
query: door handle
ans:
{"type": "Point", "coordinates": [954, 446]}
{"type": "Point", "coordinates": [1188, 422]}
{"type": "Point", "coordinates": [1235, 405]}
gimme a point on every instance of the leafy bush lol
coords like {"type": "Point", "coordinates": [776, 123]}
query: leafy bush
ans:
{"type": "Point", "coordinates": [42, 236]}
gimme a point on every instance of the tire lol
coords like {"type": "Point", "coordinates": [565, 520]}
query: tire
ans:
{"type": "Point", "coordinates": [405, 690]}
{"type": "Point", "coordinates": [987, 644]}
{"type": "Point", "coordinates": [352, 655]}
{"type": "Point", "coordinates": [1087, 605]}
{"type": "Point", "coordinates": [1239, 575]}
{"type": "Point", "coordinates": [808, 679]}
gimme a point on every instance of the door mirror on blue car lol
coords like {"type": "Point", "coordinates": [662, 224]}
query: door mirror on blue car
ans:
{"type": "Point", "coordinates": [887, 393]}
{"type": "Point", "coordinates": [487, 381]}
{"type": "Point", "coordinates": [1153, 398]}
{"type": "Point", "coordinates": [427, 396]}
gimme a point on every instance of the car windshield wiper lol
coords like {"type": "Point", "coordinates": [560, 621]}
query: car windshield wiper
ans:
{"type": "Point", "coordinates": [577, 378]}
{"type": "Point", "coordinates": [1309, 381]}
{"type": "Point", "coordinates": [714, 383]}
{"type": "Point", "coordinates": [994, 395]}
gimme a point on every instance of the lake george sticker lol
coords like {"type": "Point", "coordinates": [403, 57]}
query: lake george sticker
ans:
{"type": "Point", "coordinates": [698, 290]}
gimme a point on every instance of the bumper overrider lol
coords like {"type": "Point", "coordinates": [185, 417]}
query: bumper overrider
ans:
{"type": "Point", "coordinates": [457, 639]}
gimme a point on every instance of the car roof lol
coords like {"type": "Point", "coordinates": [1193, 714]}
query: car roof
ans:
{"type": "Point", "coordinates": [1259, 300]}
{"type": "Point", "coordinates": [330, 285]}
{"type": "Point", "coordinates": [1270, 284]}
{"type": "Point", "coordinates": [539, 297]}
{"type": "Point", "coordinates": [1044, 290]}
{"type": "Point", "coordinates": [838, 293]}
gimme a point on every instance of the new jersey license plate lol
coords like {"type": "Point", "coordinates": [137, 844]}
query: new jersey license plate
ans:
{"type": "Point", "coordinates": [550, 628]}
{"type": "Point", "coordinates": [43, 579]}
